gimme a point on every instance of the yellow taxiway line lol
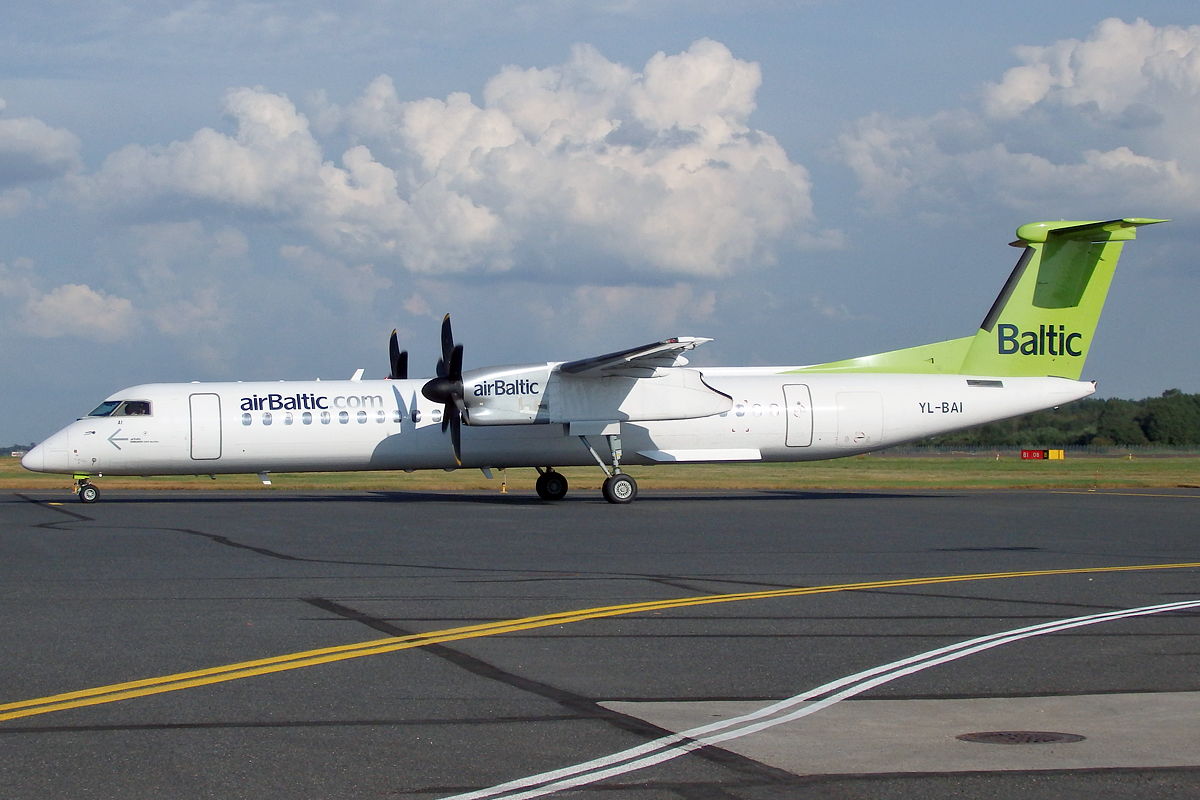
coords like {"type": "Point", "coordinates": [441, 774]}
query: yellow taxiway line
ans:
{"type": "Point", "coordinates": [308, 658]}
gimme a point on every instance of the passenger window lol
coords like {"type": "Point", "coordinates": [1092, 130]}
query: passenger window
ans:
{"type": "Point", "coordinates": [324, 417]}
{"type": "Point", "coordinates": [245, 419]}
{"type": "Point", "coordinates": [362, 417]}
{"type": "Point", "coordinates": [287, 418]}
{"type": "Point", "coordinates": [306, 418]}
{"type": "Point", "coordinates": [266, 418]}
{"type": "Point", "coordinates": [343, 417]}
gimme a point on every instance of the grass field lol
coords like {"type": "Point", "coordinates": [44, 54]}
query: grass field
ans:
{"type": "Point", "coordinates": [856, 472]}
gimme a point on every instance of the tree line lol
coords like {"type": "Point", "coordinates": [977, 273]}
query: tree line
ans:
{"type": "Point", "coordinates": [1171, 419]}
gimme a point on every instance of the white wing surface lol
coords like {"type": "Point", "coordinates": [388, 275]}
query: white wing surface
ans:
{"type": "Point", "coordinates": [637, 362]}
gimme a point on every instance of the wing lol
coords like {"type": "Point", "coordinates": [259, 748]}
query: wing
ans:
{"type": "Point", "coordinates": [637, 362]}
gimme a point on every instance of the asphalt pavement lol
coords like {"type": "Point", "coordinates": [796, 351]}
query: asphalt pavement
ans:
{"type": "Point", "coordinates": [700, 646]}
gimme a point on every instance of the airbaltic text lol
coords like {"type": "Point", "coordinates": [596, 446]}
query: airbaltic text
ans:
{"type": "Point", "coordinates": [297, 402]}
{"type": "Point", "coordinates": [499, 388]}
{"type": "Point", "coordinates": [1045, 341]}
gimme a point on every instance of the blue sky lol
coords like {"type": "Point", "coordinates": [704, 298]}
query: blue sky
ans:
{"type": "Point", "coordinates": [228, 191]}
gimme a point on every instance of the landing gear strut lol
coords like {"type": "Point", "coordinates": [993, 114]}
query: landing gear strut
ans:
{"type": "Point", "coordinates": [551, 485]}
{"type": "Point", "coordinates": [617, 487]}
{"type": "Point", "coordinates": [86, 491]}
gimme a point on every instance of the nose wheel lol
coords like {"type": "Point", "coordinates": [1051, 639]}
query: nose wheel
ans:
{"type": "Point", "coordinates": [87, 492]}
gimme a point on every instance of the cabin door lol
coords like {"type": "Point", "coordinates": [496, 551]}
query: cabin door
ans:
{"type": "Point", "coordinates": [798, 402]}
{"type": "Point", "coordinates": [206, 426]}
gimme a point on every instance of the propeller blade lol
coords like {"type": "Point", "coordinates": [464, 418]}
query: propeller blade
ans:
{"type": "Point", "coordinates": [447, 339]}
{"type": "Point", "coordinates": [447, 388]}
{"type": "Point", "coordinates": [456, 436]}
{"type": "Point", "coordinates": [398, 359]}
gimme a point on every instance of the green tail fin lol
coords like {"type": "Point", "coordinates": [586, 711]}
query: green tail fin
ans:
{"type": "Point", "coordinates": [1043, 321]}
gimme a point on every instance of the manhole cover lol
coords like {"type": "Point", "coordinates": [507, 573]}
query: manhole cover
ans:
{"type": "Point", "coordinates": [1021, 737]}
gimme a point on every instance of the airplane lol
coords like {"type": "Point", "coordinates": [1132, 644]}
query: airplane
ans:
{"type": "Point", "coordinates": [642, 406]}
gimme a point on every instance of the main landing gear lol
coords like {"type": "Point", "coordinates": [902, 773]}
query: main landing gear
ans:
{"type": "Point", "coordinates": [551, 485]}
{"type": "Point", "coordinates": [86, 491]}
{"type": "Point", "coordinates": [618, 487]}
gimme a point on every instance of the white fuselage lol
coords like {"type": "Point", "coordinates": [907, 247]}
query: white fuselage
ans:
{"type": "Point", "coordinates": [291, 426]}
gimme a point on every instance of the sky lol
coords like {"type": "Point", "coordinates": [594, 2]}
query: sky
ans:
{"type": "Point", "coordinates": [263, 191]}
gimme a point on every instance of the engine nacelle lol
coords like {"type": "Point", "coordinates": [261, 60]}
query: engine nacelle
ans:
{"type": "Point", "coordinates": [511, 395]}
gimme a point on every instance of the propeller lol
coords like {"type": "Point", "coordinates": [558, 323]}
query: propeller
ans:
{"type": "Point", "coordinates": [447, 388]}
{"type": "Point", "coordinates": [398, 358]}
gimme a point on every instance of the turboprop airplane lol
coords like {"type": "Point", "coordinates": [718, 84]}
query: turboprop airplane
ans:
{"type": "Point", "coordinates": [642, 406]}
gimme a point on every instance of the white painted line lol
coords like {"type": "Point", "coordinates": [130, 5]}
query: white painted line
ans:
{"type": "Point", "coordinates": [675, 745]}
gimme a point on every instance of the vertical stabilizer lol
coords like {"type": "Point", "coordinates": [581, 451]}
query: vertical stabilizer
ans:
{"type": "Point", "coordinates": [1043, 321]}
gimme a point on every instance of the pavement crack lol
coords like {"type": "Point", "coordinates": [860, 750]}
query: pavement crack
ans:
{"type": "Point", "coordinates": [584, 707]}
{"type": "Point", "coordinates": [50, 507]}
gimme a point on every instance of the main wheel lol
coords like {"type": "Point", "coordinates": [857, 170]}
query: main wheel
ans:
{"type": "Point", "coordinates": [551, 486]}
{"type": "Point", "coordinates": [88, 493]}
{"type": "Point", "coordinates": [619, 489]}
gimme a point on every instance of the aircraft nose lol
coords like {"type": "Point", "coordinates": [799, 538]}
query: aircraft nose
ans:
{"type": "Point", "coordinates": [35, 459]}
{"type": "Point", "coordinates": [48, 456]}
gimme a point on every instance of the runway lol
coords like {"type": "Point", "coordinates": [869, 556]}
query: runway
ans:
{"type": "Point", "coordinates": [400, 644]}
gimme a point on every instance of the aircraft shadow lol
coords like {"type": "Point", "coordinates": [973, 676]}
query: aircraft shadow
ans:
{"type": "Point", "coordinates": [488, 498]}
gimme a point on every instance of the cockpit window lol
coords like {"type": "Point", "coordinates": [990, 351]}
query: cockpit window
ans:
{"type": "Point", "coordinates": [105, 408]}
{"type": "Point", "coordinates": [122, 408]}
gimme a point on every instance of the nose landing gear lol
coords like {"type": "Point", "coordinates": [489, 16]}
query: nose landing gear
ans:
{"type": "Point", "coordinates": [87, 492]}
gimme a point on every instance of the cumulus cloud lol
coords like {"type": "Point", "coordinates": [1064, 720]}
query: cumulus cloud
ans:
{"type": "Point", "coordinates": [1117, 67]}
{"type": "Point", "coordinates": [1092, 123]}
{"type": "Point", "coordinates": [170, 258]}
{"type": "Point", "coordinates": [14, 201]}
{"type": "Point", "coordinates": [31, 150]}
{"type": "Point", "coordinates": [78, 310]}
{"type": "Point", "coordinates": [583, 167]}
{"type": "Point", "coordinates": [356, 285]}
{"type": "Point", "coordinates": [594, 307]}
{"type": "Point", "coordinates": [67, 310]}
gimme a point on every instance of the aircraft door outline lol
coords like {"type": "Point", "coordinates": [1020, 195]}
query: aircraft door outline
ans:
{"type": "Point", "coordinates": [797, 401]}
{"type": "Point", "coordinates": [205, 426]}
